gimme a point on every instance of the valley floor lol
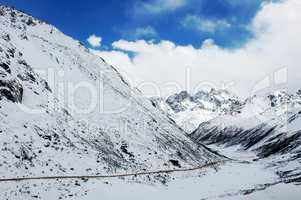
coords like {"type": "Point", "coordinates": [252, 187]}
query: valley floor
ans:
{"type": "Point", "coordinates": [232, 180]}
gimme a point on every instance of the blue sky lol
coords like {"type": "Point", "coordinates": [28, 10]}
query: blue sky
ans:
{"type": "Point", "coordinates": [181, 21]}
{"type": "Point", "coordinates": [174, 45]}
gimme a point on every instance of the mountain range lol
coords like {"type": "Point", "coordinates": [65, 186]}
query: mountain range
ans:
{"type": "Point", "coordinates": [72, 127]}
{"type": "Point", "coordinates": [266, 124]}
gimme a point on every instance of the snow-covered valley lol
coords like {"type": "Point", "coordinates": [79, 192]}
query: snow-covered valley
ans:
{"type": "Point", "coordinates": [150, 149]}
{"type": "Point", "coordinates": [263, 130]}
{"type": "Point", "coordinates": [231, 180]}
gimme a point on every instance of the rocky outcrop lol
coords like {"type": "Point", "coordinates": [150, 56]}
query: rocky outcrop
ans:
{"type": "Point", "coordinates": [188, 111]}
{"type": "Point", "coordinates": [11, 90]}
{"type": "Point", "coordinates": [175, 101]}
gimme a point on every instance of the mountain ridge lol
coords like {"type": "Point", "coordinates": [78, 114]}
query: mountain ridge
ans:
{"type": "Point", "coordinates": [123, 132]}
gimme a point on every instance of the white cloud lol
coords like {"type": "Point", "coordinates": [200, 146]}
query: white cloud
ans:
{"type": "Point", "coordinates": [148, 31]}
{"type": "Point", "coordinates": [203, 25]}
{"type": "Point", "coordinates": [159, 6]}
{"type": "Point", "coordinates": [277, 44]}
{"type": "Point", "coordinates": [94, 40]}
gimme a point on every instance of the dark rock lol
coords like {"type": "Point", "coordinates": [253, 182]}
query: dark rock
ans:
{"type": "Point", "coordinates": [6, 37]}
{"type": "Point", "coordinates": [12, 90]}
{"type": "Point", "coordinates": [5, 67]}
{"type": "Point", "coordinates": [174, 101]}
{"type": "Point", "coordinates": [175, 163]}
{"type": "Point", "coordinates": [124, 149]}
{"type": "Point", "coordinates": [30, 22]}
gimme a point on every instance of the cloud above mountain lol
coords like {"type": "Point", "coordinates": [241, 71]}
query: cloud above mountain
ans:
{"type": "Point", "coordinates": [94, 41]}
{"type": "Point", "coordinates": [163, 67]}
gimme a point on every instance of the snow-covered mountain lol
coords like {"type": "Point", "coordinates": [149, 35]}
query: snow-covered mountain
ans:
{"type": "Point", "coordinates": [188, 111]}
{"type": "Point", "coordinates": [47, 83]}
{"type": "Point", "coordinates": [269, 126]}
{"type": "Point", "coordinates": [66, 112]}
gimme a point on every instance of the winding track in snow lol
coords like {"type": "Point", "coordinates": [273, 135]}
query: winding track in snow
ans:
{"type": "Point", "coordinates": [212, 164]}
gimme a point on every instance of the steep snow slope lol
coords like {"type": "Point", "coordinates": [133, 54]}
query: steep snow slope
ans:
{"type": "Point", "coordinates": [65, 111]}
{"type": "Point", "coordinates": [270, 127]}
{"type": "Point", "coordinates": [47, 128]}
{"type": "Point", "coordinates": [260, 113]}
{"type": "Point", "coordinates": [267, 125]}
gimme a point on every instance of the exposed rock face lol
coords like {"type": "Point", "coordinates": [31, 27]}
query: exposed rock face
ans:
{"type": "Point", "coordinates": [213, 100]}
{"type": "Point", "coordinates": [11, 90]}
{"type": "Point", "coordinates": [5, 67]}
{"type": "Point", "coordinates": [175, 101]}
{"type": "Point", "coordinates": [188, 111]}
